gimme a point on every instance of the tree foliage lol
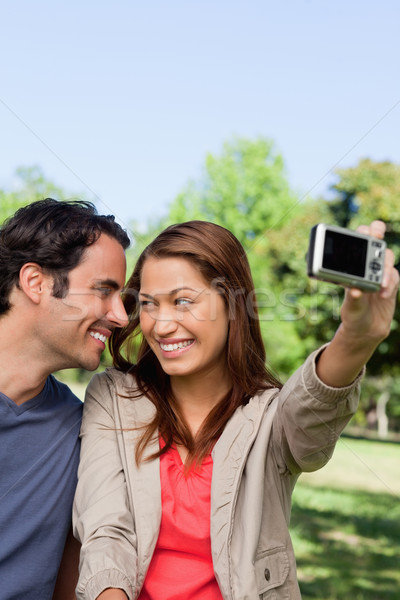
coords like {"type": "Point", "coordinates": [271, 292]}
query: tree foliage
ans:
{"type": "Point", "coordinates": [31, 185]}
{"type": "Point", "coordinates": [245, 189]}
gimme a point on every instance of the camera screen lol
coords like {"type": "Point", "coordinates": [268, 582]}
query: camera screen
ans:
{"type": "Point", "coordinates": [344, 253]}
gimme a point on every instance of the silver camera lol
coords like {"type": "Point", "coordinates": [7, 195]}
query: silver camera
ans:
{"type": "Point", "coordinates": [347, 257]}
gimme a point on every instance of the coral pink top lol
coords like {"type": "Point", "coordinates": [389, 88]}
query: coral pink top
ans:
{"type": "Point", "coordinates": [181, 567]}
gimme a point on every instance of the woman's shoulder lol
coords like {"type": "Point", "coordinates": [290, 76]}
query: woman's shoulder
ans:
{"type": "Point", "coordinates": [112, 377]}
{"type": "Point", "coordinates": [264, 397]}
{"type": "Point", "coordinates": [258, 405]}
{"type": "Point", "coordinates": [111, 383]}
{"type": "Point", "coordinates": [115, 390]}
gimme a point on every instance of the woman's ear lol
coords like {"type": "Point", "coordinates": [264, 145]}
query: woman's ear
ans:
{"type": "Point", "coordinates": [32, 281]}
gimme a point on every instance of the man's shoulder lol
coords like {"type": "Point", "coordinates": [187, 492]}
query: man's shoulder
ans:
{"type": "Point", "coordinates": [63, 392]}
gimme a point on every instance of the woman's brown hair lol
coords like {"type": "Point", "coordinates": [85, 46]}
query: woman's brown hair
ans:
{"type": "Point", "coordinates": [222, 261]}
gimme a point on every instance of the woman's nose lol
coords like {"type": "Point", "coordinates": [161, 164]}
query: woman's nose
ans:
{"type": "Point", "coordinates": [165, 323]}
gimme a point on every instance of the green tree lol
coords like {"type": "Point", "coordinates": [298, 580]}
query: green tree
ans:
{"type": "Point", "coordinates": [373, 190]}
{"type": "Point", "coordinates": [244, 189]}
{"type": "Point", "coordinates": [31, 185]}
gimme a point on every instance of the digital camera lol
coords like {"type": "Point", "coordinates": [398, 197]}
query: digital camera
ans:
{"type": "Point", "coordinates": [346, 257]}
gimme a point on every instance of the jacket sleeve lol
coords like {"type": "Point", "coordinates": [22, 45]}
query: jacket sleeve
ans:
{"type": "Point", "coordinates": [311, 417]}
{"type": "Point", "coordinates": [103, 521]}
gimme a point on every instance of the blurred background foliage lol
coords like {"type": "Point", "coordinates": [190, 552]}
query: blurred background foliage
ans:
{"type": "Point", "coordinates": [245, 188]}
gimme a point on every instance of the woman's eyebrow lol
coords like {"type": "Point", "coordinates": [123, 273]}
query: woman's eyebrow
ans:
{"type": "Point", "coordinates": [182, 288]}
{"type": "Point", "coordinates": [171, 292]}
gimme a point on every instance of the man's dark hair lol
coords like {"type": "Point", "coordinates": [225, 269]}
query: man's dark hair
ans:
{"type": "Point", "coordinates": [54, 234]}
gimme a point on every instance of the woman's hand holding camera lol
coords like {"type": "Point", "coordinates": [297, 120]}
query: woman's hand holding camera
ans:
{"type": "Point", "coordinates": [366, 320]}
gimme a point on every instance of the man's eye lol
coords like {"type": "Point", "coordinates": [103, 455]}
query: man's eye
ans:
{"type": "Point", "coordinates": [105, 291]}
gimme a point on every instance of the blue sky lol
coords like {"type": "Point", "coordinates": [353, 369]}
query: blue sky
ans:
{"type": "Point", "coordinates": [123, 100]}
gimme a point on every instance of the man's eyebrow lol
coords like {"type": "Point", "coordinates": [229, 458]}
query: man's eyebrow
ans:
{"type": "Point", "coordinates": [111, 283]}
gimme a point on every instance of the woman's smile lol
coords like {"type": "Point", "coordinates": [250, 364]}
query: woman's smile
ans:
{"type": "Point", "coordinates": [171, 346]}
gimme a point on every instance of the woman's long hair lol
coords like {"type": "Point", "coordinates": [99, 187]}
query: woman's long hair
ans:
{"type": "Point", "coordinates": [222, 261]}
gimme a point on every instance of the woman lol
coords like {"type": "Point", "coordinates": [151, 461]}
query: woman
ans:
{"type": "Point", "coordinates": [190, 454]}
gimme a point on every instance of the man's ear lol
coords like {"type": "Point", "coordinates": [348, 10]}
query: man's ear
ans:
{"type": "Point", "coordinates": [32, 281]}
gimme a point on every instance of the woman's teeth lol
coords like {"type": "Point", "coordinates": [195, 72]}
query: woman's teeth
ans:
{"type": "Point", "coordinates": [177, 346]}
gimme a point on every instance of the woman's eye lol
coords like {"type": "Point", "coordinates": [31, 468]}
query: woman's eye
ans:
{"type": "Point", "coordinates": [144, 303]}
{"type": "Point", "coordinates": [182, 301]}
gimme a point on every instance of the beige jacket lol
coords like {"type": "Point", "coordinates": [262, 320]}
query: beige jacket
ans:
{"type": "Point", "coordinates": [256, 461]}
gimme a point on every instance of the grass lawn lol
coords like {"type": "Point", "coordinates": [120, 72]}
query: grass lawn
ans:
{"type": "Point", "coordinates": [346, 524]}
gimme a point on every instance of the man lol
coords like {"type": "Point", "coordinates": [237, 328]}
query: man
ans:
{"type": "Point", "coordinates": [62, 269]}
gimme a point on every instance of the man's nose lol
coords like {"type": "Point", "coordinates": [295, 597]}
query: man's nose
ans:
{"type": "Point", "coordinates": [117, 313]}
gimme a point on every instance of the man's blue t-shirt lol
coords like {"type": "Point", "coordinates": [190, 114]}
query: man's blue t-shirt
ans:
{"type": "Point", "coordinates": [39, 455]}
